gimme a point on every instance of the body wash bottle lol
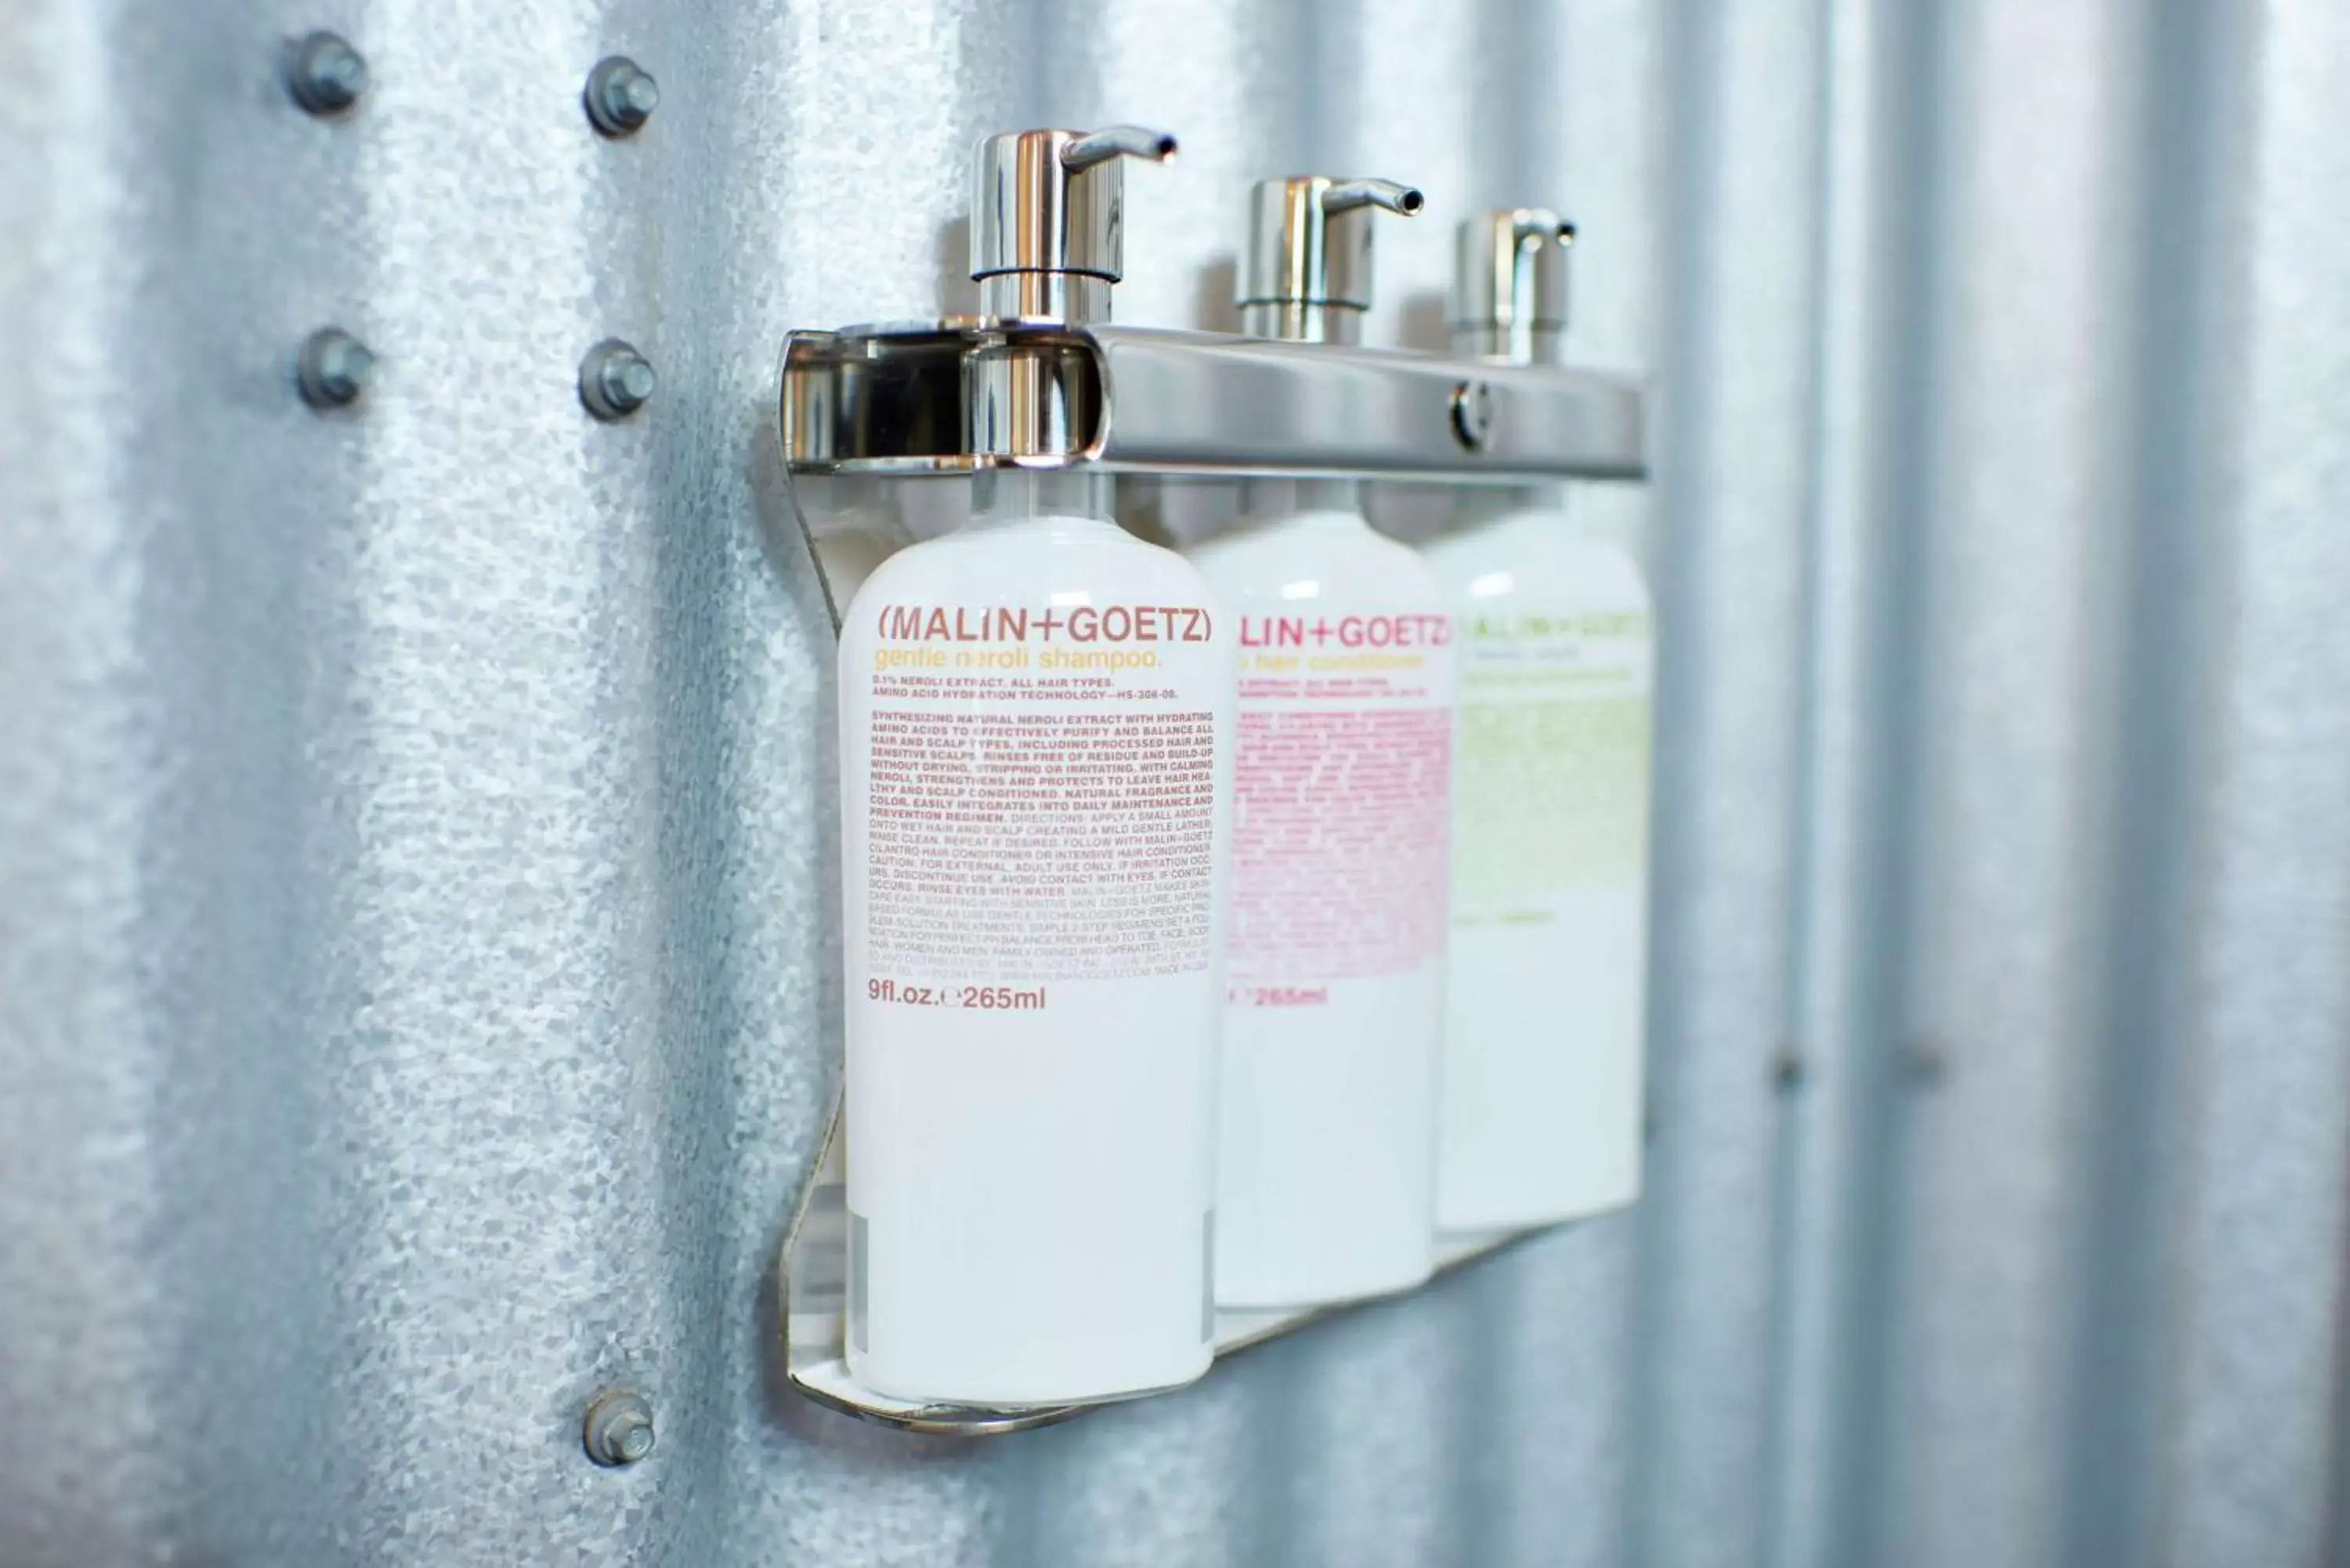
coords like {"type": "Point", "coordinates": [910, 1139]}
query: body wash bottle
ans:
{"type": "Point", "coordinates": [1036, 728]}
{"type": "Point", "coordinates": [1335, 961]}
{"type": "Point", "coordinates": [1547, 1023]}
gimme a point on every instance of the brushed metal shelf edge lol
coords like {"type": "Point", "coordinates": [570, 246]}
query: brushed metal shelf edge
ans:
{"type": "Point", "coordinates": [892, 401]}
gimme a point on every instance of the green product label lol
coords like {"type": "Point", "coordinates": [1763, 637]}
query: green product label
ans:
{"type": "Point", "coordinates": [1552, 765]}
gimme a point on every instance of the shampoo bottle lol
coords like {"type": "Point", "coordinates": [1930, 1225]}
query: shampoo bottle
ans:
{"type": "Point", "coordinates": [1335, 960]}
{"type": "Point", "coordinates": [1546, 1023]}
{"type": "Point", "coordinates": [1036, 728]}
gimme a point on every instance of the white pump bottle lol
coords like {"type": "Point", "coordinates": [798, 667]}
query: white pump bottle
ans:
{"type": "Point", "coordinates": [1335, 969]}
{"type": "Point", "coordinates": [1037, 736]}
{"type": "Point", "coordinates": [1546, 1022]}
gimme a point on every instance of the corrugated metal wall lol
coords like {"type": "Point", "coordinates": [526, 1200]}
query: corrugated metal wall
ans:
{"type": "Point", "coordinates": [413, 840]}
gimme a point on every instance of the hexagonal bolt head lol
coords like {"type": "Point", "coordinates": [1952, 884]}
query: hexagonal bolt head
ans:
{"type": "Point", "coordinates": [618, 1428]}
{"type": "Point", "coordinates": [324, 73]}
{"type": "Point", "coordinates": [615, 381]}
{"type": "Point", "coordinates": [1473, 413]}
{"type": "Point", "coordinates": [621, 95]}
{"type": "Point", "coordinates": [1789, 1070]}
{"type": "Point", "coordinates": [332, 369]}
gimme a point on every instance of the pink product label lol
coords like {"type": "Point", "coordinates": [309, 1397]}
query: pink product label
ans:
{"type": "Point", "coordinates": [1338, 848]}
{"type": "Point", "coordinates": [1345, 632]}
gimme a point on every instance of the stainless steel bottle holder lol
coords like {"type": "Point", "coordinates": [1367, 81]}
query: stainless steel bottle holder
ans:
{"type": "Point", "coordinates": [1066, 390]}
{"type": "Point", "coordinates": [961, 395]}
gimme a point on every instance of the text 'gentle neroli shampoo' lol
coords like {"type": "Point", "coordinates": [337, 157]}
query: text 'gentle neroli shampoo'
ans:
{"type": "Point", "coordinates": [1036, 734]}
{"type": "Point", "coordinates": [1546, 1024]}
{"type": "Point", "coordinates": [1335, 971]}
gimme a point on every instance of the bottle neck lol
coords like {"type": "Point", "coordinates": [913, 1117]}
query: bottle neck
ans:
{"type": "Point", "coordinates": [1266, 500]}
{"type": "Point", "coordinates": [1490, 504]}
{"type": "Point", "coordinates": [1551, 511]}
{"type": "Point", "coordinates": [1002, 495]}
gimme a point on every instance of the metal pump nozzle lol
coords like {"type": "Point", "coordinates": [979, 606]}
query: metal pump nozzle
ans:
{"type": "Point", "coordinates": [1509, 293]}
{"type": "Point", "coordinates": [1048, 219]}
{"type": "Point", "coordinates": [1307, 274]}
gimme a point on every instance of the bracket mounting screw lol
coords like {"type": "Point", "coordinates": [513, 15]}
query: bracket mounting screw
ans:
{"type": "Point", "coordinates": [1473, 413]}
{"type": "Point", "coordinates": [618, 1428]}
{"type": "Point", "coordinates": [332, 369]}
{"type": "Point", "coordinates": [1789, 1070]}
{"type": "Point", "coordinates": [621, 95]}
{"type": "Point", "coordinates": [615, 381]}
{"type": "Point", "coordinates": [324, 73]}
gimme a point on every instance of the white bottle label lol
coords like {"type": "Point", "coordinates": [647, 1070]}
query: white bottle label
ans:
{"type": "Point", "coordinates": [1545, 1017]}
{"type": "Point", "coordinates": [1336, 959]}
{"type": "Point", "coordinates": [1034, 835]}
{"type": "Point", "coordinates": [1038, 811]}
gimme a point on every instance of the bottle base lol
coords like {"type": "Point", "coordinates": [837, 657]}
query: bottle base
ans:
{"type": "Point", "coordinates": [1274, 1296]}
{"type": "Point", "coordinates": [1479, 1221]}
{"type": "Point", "coordinates": [1030, 1394]}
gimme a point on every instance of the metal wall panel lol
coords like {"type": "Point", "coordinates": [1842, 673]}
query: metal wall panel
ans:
{"type": "Point", "coordinates": [2013, 737]}
{"type": "Point", "coordinates": [2247, 1414]}
{"type": "Point", "coordinates": [415, 845]}
{"type": "Point", "coordinates": [1729, 574]}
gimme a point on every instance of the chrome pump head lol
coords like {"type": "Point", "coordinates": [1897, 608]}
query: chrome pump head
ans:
{"type": "Point", "coordinates": [1509, 287]}
{"type": "Point", "coordinates": [1048, 219]}
{"type": "Point", "coordinates": [1307, 274]}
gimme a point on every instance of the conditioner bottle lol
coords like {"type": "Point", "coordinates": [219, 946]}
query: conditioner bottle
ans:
{"type": "Point", "coordinates": [1335, 957]}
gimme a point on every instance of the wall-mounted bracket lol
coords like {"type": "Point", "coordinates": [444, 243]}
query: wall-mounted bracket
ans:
{"type": "Point", "coordinates": [815, 1298]}
{"type": "Point", "coordinates": [956, 396]}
